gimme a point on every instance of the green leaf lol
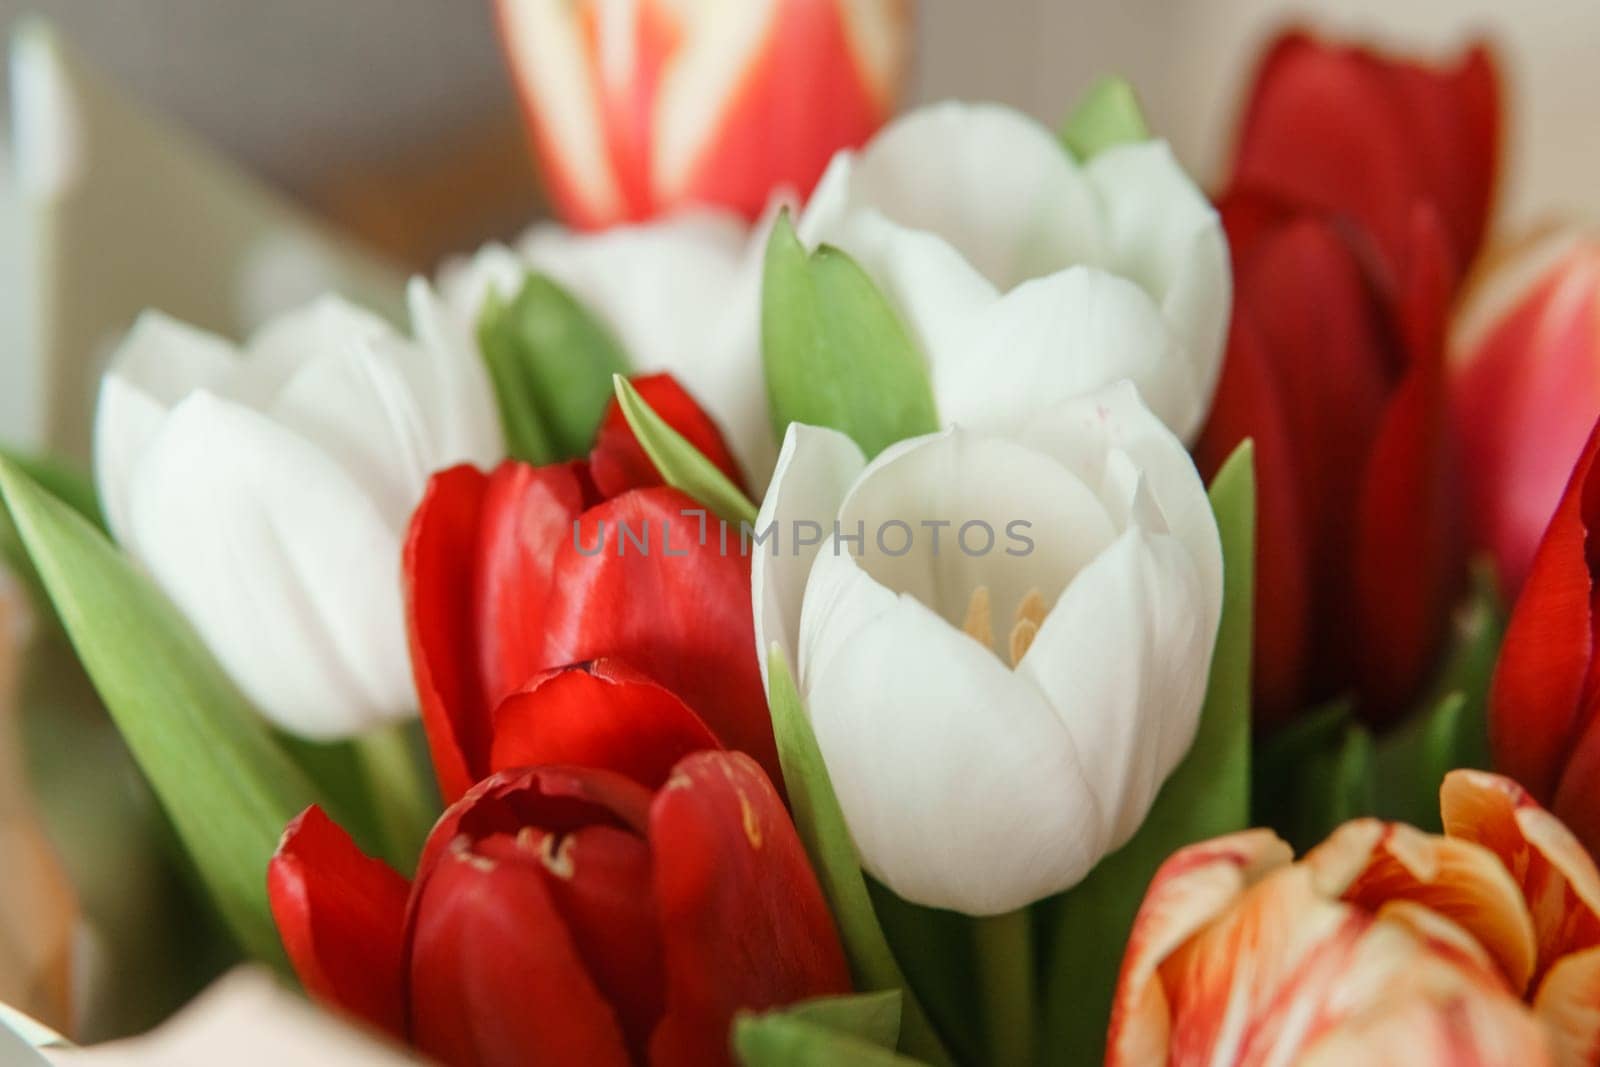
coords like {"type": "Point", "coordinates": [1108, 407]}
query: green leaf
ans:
{"type": "Point", "coordinates": [820, 823]}
{"type": "Point", "coordinates": [228, 787]}
{"type": "Point", "coordinates": [1208, 795]}
{"type": "Point", "coordinates": [835, 352]}
{"type": "Point", "coordinates": [67, 484]}
{"type": "Point", "coordinates": [872, 1017]}
{"type": "Point", "coordinates": [1109, 115]}
{"type": "Point", "coordinates": [551, 362]}
{"type": "Point", "coordinates": [777, 1039]}
{"type": "Point", "coordinates": [679, 462]}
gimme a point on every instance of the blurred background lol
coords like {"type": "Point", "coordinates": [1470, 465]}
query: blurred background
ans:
{"type": "Point", "coordinates": [259, 136]}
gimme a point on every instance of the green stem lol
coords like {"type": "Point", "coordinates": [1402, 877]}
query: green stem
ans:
{"type": "Point", "coordinates": [402, 793]}
{"type": "Point", "coordinates": [1006, 980]}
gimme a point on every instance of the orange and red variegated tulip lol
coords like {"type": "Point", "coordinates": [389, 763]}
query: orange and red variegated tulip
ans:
{"type": "Point", "coordinates": [516, 572]}
{"type": "Point", "coordinates": [1546, 688]}
{"type": "Point", "coordinates": [567, 915]}
{"type": "Point", "coordinates": [1359, 192]}
{"type": "Point", "coordinates": [1526, 383]}
{"type": "Point", "coordinates": [1383, 945]}
{"type": "Point", "coordinates": [1367, 137]}
{"type": "Point", "coordinates": [639, 107]}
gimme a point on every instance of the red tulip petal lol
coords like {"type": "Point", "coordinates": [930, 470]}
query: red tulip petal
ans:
{"type": "Point", "coordinates": [1525, 395]}
{"type": "Point", "coordinates": [743, 921]}
{"type": "Point", "coordinates": [1248, 405]}
{"type": "Point", "coordinates": [1409, 565]}
{"type": "Point", "coordinates": [1348, 131]}
{"type": "Point", "coordinates": [603, 714]}
{"type": "Point", "coordinates": [439, 563]}
{"type": "Point", "coordinates": [618, 463]}
{"type": "Point", "coordinates": [679, 611]}
{"type": "Point", "coordinates": [600, 880]}
{"type": "Point", "coordinates": [558, 799]}
{"type": "Point", "coordinates": [807, 92]}
{"type": "Point", "coordinates": [495, 977]}
{"type": "Point", "coordinates": [341, 916]}
{"type": "Point", "coordinates": [1539, 683]}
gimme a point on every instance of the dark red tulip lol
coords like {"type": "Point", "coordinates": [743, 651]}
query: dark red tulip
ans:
{"type": "Point", "coordinates": [1366, 137]}
{"type": "Point", "coordinates": [525, 569]}
{"type": "Point", "coordinates": [565, 915]}
{"type": "Point", "coordinates": [1543, 729]}
{"type": "Point", "coordinates": [1358, 560]}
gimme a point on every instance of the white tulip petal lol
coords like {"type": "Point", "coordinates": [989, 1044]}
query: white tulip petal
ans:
{"type": "Point", "coordinates": [958, 493]}
{"type": "Point", "coordinates": [282, 563]}
{"type": "Point", "coordinates": [280, 348]}
{"type": "Point", "coordinates": [1052, 339]}
{"type": "Point", "coordinates": [958, 782]}
{"type": "Point", "coordinates": [1164, 234]}
{"type": "Point", "coordinates": [816, 467]}
{"type": "Point", "coordinates": [465, 283]}
{"type": "Point", "coordinates": [1123, 659]}
{"type": "Point", "coordinates": [159, 361]}
{"type": "Point", "coordinates": [990, 181]}
{"type": "Point", "coordinates": [454, 384]}
{"type": "Point", "coordinates": [1085, 433]}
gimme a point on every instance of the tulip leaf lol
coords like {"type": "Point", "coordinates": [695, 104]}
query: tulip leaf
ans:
{"type": "Point", "coordinates": [835, 352]}
{"type": "Point", "coordinates": [820, 823]}
{"type": "Point", "coordinates": [1109, 115]}
{"type": "Point", "coordinates": [228, 787]}
{"type": "Point", "coordinates": [872, 1017]}
{"type": "Point", "coordinates": [1208, 795]}
{"type": "Point", "coordinates": [551, 363]}
{"type": "Point", "coordinates": [70, 486]}
{"type": "Point", "coordinates": [937, 949]}
{"type": "Point", "coordinates": [787, 1039]}
{"type": "Point", "coordinates": [681, 464]}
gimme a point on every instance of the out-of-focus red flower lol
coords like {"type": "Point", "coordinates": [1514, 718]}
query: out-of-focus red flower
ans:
{"type": "Point", "coordinates": [1358, 560]}
{"type": "Point", "coordinates": [1543, 728]}
{"type": "Point", "coordinates": [1526, 384]}
{"type": "Point", "coordinates": [1360, 189]}
{"type": "Point", "coordinates": [514, 573]}
{"type": "Point", "coordinates": [1382, 945]}
{"type": "Point", "coordinates": [1366, 138]}
{"type": "Point", "coordinates": [638, 109]}
{"type": "Point", "coordinates": [565, 915]}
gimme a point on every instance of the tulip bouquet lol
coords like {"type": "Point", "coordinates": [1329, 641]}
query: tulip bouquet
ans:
{"type": "Point", "coordinates": [794, 610]}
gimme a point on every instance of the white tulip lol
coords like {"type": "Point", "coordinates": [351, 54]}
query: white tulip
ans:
{"type": "Point", "coordinates": [995, 722]}
{"type": "Point", "coordinates": [681, 295]}
{"type": "Point", "coordinates": [1026, 277]}
{"type": "Point", "coordinates": [267, 491]}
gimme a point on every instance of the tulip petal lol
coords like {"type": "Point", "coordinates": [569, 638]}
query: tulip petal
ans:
{"type": "Point", "coordinates": [341, 915]}
{"type": "Point", "coordinates": [1458, 1028]}
{"type": "Point", "coordinates": [454, 381]}
{"type": "Point", "coordinates": [1538, 699]}
{"type": "Point", "coordinates": [495, 976]}
{"type": "Point", "coordinates": [159, 362]}
{"type": "Point", "coordinates": [744, 923]}
{"type": "Point", "coordinates": [1456, 879]}
{"type": "Point", "coordinates": [900, 699]}
{"type": "Point", "coordinates": [619, 463]}
{"type": "Point", "coordinates": [1137, 611]}
{"type": "Point", "coordinates": [312, 629]}
{"type": "Point", "coordinates": [1557, 876]}
{"type": "Point", "coordinates": [650, 580]}
{"type": "Point", "coordinates": [1167, 237]}
{"type": "Point", "coordinates": [604, 715]}
{"type": "Point", "coordinates": [816, 468]}
{"type": "Point", "coordinates": [439, 567]}
{"type": "Point", "coordinates": [1568, 1003]}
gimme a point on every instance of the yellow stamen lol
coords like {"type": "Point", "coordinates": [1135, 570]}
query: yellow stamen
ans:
{"type": "Point", "coordinates": [1022, 635]}
{"type": "Point", "coordinates": [979, 624]}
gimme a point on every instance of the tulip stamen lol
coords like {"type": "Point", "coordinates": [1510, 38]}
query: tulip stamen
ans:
{"type": "Point", "coordinates": [1030, 616]}
{"type": "Point", "coordinates": [979, 623]}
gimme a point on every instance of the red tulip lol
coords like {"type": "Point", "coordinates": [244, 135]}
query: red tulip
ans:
{"type": "Point", "coordinates": [638, 109]}
{"type": "Point", "coordinates": [1367, 138]}
{"type": "Point", "coordinates": [525, 569]}
{"type": "Point", "coordinates": [1526, 387]}
{"type": "Point", "coordinates": [1357, 566]}
{"type": "Point", "coordinates": [568, 916]}
{"type": "Point", "coordinates": [1543, 729]}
